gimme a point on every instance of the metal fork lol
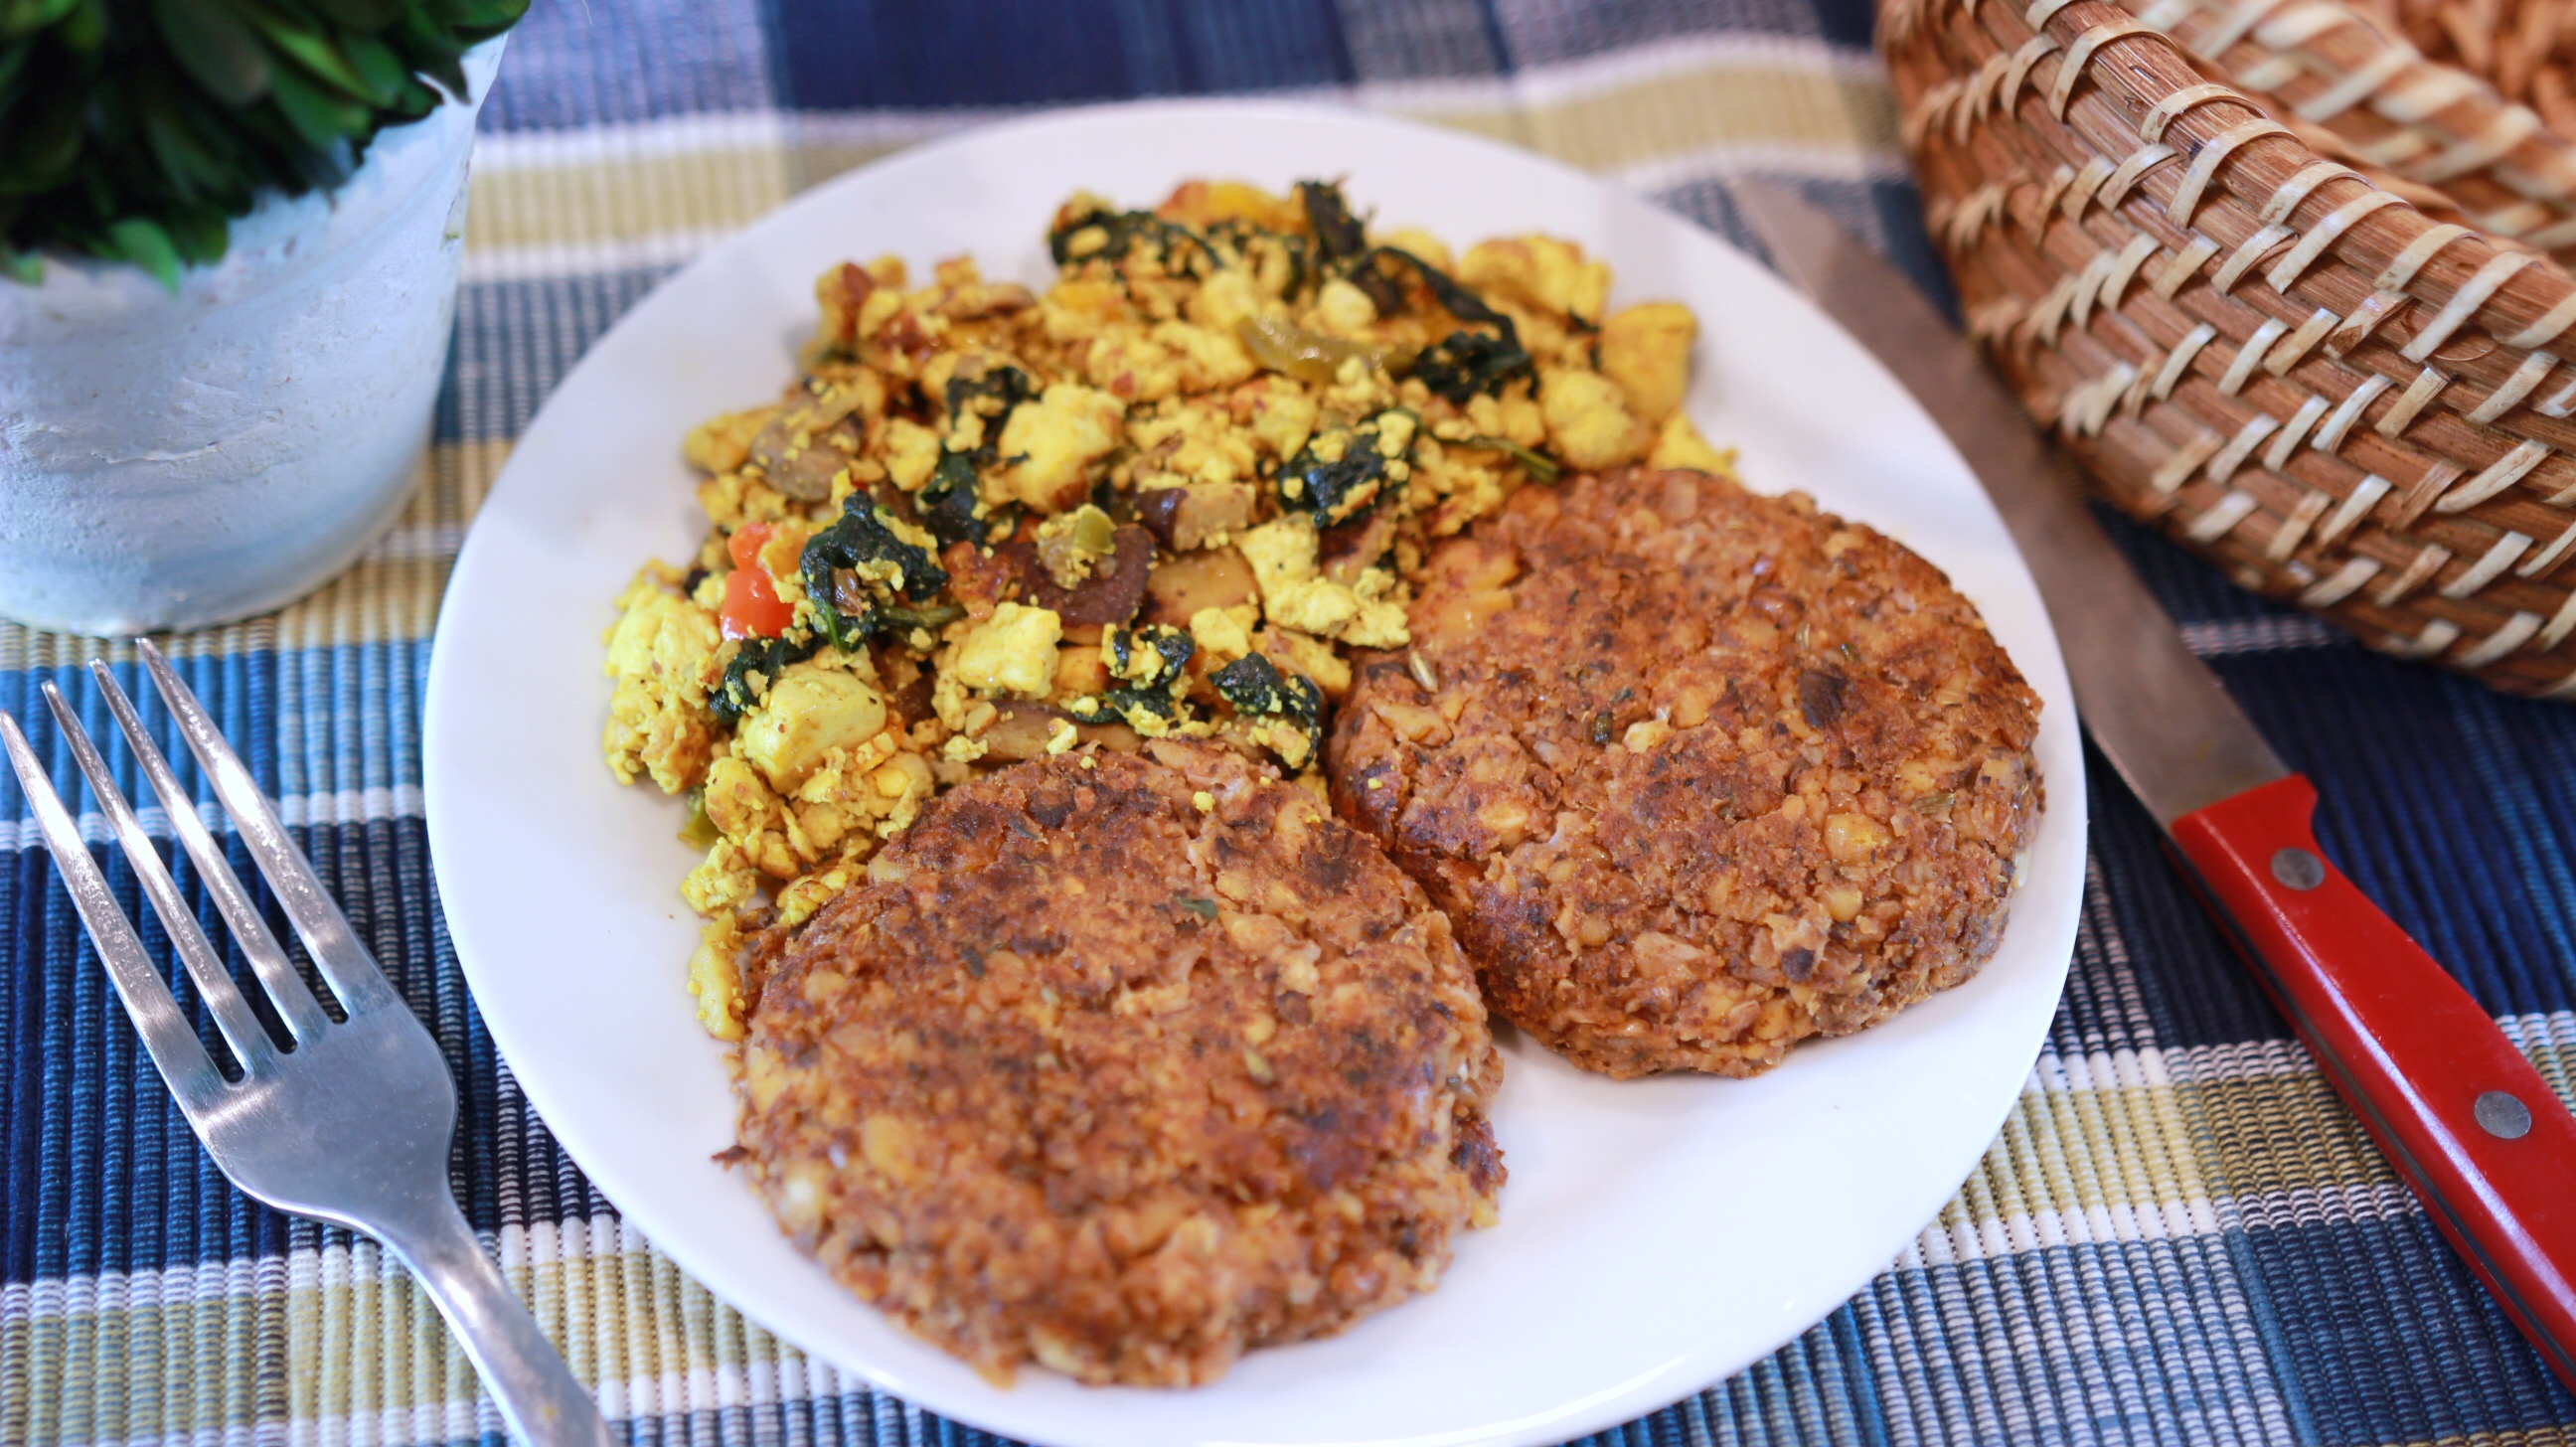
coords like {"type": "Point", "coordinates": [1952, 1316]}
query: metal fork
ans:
{"type": "Point", "coordinates": [352, 1124]}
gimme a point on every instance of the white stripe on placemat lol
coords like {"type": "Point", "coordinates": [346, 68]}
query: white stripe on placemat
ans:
{"type": "Point", "coordinates": [2223, 636]}
{"type": "Point", "coordinates": [343, 806]}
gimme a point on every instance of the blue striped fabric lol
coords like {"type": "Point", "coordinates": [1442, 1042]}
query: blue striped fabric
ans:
{"type": "Point", "coordinates": [2180, 1236]}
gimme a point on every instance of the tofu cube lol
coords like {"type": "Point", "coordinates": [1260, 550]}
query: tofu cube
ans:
{"type": "Point", "coordinates": [1053, 441]}
{"type": "Point", "coordinates": [810, 711]}
{"type": "Point", "coordinates": [1011, 654]}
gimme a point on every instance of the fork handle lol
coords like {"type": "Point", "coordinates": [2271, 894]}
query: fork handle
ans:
{"type": "Point", "coordinates": [544, 1404]}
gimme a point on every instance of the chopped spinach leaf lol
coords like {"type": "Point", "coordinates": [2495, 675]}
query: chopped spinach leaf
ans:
{"type": "Point", "coordinates": [1152, 655]}
{"type": "Point", "coordinates": [1333, 490]}
{"type": "Point", "coordinates": [1121, 705]}
{"type": "Point", "coordinates": [1245, 240]}
{"type": "Point", "coordinates": [765, 657]}
{"type": "Point", "coordinates": [1005, 387]}
{"type": "Point", "coordinates": [1380, 273]}
{"type": "Point", "coordinates": [1284, 713]}
{"type": "Point", "coordinates": [1150, 665]}
{"type": "Point", "coordinates": [947, 502]}
{"type": "Point", "coordinates": [1464, 363]}
{"type": "Point", "coordinates": [1253, 684]}
{"type": "Point", "coordinates": [1341, 486]}
{"type": "Point", "coordinates": [884, 566]}
{"type": "Point", "coordinates": [1125, 230]}
{"type": "Point", "coordinates": [1338, 234]}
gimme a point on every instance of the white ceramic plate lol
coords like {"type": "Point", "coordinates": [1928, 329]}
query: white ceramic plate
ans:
{"type": "Point", "coordinates": [1656, 1235]}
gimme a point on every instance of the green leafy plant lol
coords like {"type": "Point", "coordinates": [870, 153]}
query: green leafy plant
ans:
{"type": "Point", "coordinates": [135, 130]}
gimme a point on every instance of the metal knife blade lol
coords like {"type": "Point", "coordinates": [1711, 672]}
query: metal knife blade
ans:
{"type": "Point", "coordinates": [2157, 711]}
{"type": "Point", "coordinates": [2473, 1129]}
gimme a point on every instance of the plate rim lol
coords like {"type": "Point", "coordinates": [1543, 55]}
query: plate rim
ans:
{"type": "Point", "coordinates": [2067, 795]}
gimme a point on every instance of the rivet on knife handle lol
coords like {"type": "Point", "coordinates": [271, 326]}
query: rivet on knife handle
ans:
{"type": "Point", "coordinates": [2456, 1108]}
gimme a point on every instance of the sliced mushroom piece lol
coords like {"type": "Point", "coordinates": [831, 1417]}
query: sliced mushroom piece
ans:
{"type": "Point", "coordinates": [1020, 732]}
{"type": "Point", "coordinates": [1346, 550]}
{"type": "Point", "coordinates": [1209, 578]}
{"type": "Point", "coordinates": [1110, 595]}
{"type": "Point", "coordinates": [803, 450]}
{"type": "Point", "coordinates": [1187, 517]}
{"type": "Point", "coordinates": [1026, 730]}
{"type": "Point", "coordinates": [979, 582]}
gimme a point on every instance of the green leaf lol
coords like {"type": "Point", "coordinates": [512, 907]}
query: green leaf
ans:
{"type": "Point", "coordinates": [148, 246]}
{"type": "Point", "coordinates": [24, 17]}
{"type": "Point", "coordinates": [379, 67]}
{"type": "Point", "coordinates": [191, 169]}
{"type": "Point", "coordinates": [200, 235]}
{"type": "Point", "coordinates": [217, 49]}
{"type": "Point", "coordinates": [41, 151]}
{"type": "Point", "coordinates": [312, 49]}
{"type": "Point", "coordinates": [318, 117]}
{"type": "Point", "coordinates": [430, 50]}
{"type": "Point", "coordinates": [14, 62]}
{"type": "Point", "coordinates": [363, 16]}
{"type": "Point", "coordinates": [26, 266]}
{"type": "Point", "coordinates": [487, 18]}
{"type": "Point", "coordinates": [416, 100]}
{"type": "Point", "coordinates": [84, 26]}
{"type": "Point", "coordinates": [457, 15]}
{"type": "Point", "coordinates": [449, 74]}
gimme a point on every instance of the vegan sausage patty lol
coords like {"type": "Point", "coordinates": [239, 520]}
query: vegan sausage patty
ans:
{"type": "Point", "coordinates": [1123, 1065]}
{"type": "Point", "coordinates": [1696, 773]}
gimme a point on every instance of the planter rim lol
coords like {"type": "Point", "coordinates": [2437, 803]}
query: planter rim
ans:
{"type": "Point", "coordinates": [81, 296]}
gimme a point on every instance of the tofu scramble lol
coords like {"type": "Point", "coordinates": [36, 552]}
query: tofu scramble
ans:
{"type": "Point", "coordinates": [1159, 499]}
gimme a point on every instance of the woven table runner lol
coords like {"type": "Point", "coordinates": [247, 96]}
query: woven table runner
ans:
{"type": "Point", "coordinates": [2179, 1236]}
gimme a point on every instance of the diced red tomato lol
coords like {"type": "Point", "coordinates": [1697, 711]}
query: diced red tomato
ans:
{"type": "Point", "coordinates": [751, 605]}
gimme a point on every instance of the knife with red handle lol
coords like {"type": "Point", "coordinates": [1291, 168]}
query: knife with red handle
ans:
{"type": "Point", "coordinates": [2466, 1121]}
{"type": "Point", "coordinates": [2453, 1105]}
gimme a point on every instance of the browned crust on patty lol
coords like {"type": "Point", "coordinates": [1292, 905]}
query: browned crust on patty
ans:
{"type": "Point", "coordinates": [1696, 773]}
{"type": "Point", "coordinates": [1088, 1076]}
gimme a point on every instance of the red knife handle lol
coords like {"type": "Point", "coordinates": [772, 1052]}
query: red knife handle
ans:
{"type": "Point", "coordinates": [2456, 1108]}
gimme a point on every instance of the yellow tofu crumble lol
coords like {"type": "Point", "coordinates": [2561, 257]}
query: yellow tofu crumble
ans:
{"type": "Point", "coordinates": [1160, 497]}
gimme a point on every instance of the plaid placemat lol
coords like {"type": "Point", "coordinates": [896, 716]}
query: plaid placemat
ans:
{"type": "Point", "coordinates": [2180, 1235]}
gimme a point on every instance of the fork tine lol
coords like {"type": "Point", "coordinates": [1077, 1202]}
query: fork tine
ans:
{"type": "Point", "coordinates": [182, 1059]}
{"type": "Point", "coordinates": [251, 1045]}
{"type": "Point", "coordinates": [325, 931]}
{"type": "Point", "coordinates": [286, 989]}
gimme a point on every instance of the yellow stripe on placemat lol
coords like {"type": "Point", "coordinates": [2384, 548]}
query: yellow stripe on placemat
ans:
{"type": "Point", "coordinates": [1676, 114]}
{"type": "Point", "coordinates": [1803, 116]}
{"type": "Point", "coordinates": [2115, 1146]}
{"type": "Point", "coordinates": [652, 192]}
{"type": "Point", "coordinates": [390, 595]}
{"type": "Point", "coordinates": [614, 198]}
{"type": "Point", "coordinates": [340, 1335]}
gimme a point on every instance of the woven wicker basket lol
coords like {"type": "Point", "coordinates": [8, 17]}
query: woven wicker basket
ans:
{"type": "Point", "coordinates": [2335, 381]}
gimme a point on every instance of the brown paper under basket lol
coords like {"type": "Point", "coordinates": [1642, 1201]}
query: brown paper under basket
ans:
{"type": "Point", "coordinates": [2343, 401]}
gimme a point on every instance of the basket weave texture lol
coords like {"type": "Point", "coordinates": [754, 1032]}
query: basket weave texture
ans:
{"type": "Point", "coordinates": [2303, 321]}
